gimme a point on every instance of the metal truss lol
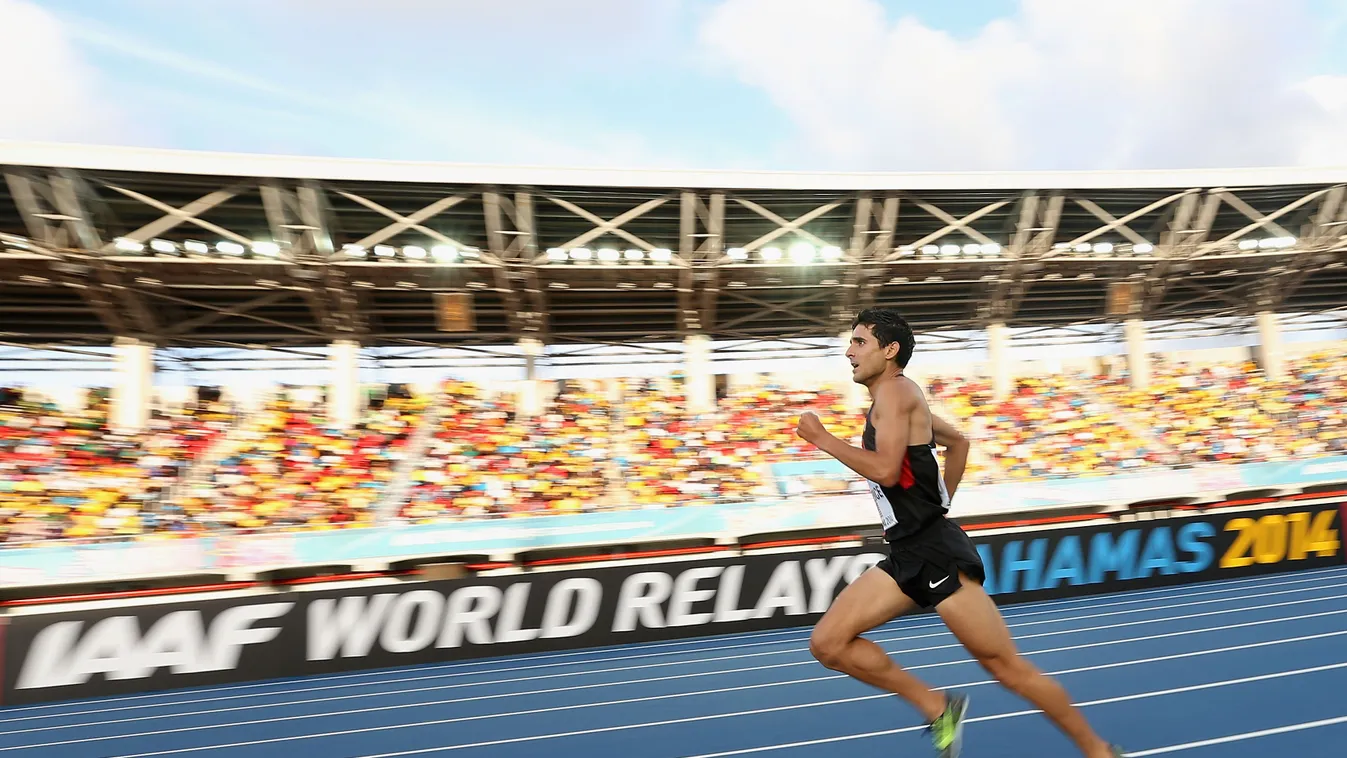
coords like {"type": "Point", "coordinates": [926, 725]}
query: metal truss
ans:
{"type": "Point", "coordinates": [59, 226]}
{"type": "Point", "coordinates": [512, 241]}
{"type": "Point", "coordinates": [872, 233]}
{"type": "Point", "coordinates": [1034, 250]}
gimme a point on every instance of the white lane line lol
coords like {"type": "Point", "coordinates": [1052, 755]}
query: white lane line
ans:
{"type": "Point", "coordinates": [694, 661]}
{"type": "Point", "coordinates": [578, 732]}
{"type": "Point", "coordinates": [976, 719]}
{"type": "Point", "coordinates": [550, 709]}
{"type": "Point", "coordinates": [1239, 737]}
{"type": "Point", "coordinates": [380, 675]}
{"type": "Point", "coordinates": [452, 701]}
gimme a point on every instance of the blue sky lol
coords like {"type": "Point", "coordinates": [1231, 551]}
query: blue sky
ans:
{"type": "Point", "coordinates": [870, 85]}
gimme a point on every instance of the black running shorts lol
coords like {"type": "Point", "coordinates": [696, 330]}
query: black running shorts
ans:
{"type": "Point", "coordinates": [926, 565]}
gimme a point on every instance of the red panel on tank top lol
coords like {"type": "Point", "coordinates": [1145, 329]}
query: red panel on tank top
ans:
{"type": "Point", "coordinates": [905, 477]}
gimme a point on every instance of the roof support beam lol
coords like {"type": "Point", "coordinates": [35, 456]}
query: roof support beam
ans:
{"type": "Point", "coordinates": [952, 224]}
{"type": "Point", "coordinates": [175, 216]}
{"type": "Point", "coordinates": [872, 231]}
{"type": "Point", "coordinates": [301, 249]}
{"type": "Point", "coordinates": [98, 281]}
{"type": "Point", "coordinates": [519, 256]}
{"type": "Point", "coordinates": [788, 308]}
{"type": "Point", "coordinates": [1035, 228]}
{"type": "Point", "coordinates": [1260, 221]}
{"type": "Point", "coordinates": [1329, 224]}
{"type": "Point", "coordinates": [712, 255]}
{"type": "Point", "coordinates": [493, 217]}
{"type": "Point", "coordinates": [403, 223]}
{"type": "Point", "coordinates": [700, 251]}
{"type": "Point", "coordinates": [783, 226]}
{"type": "Point", "coordinates": [614, 225]}
{"type": "Point", "coordinates": [1188, 229]}
{"type": "Point", "coordinates": [1121, 224]}
{"type": "Point", "coordinates": [334, 302]}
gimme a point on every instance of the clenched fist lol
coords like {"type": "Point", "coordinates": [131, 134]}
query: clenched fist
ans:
{"type": "Point", "coordinates": [810, 428]}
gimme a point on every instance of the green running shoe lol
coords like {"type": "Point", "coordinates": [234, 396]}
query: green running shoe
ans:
{"type": "Point", "coordinates": [947, 730]}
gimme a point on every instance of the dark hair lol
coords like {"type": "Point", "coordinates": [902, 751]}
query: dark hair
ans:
{"type": "Point", "coordinates": [888, 328]}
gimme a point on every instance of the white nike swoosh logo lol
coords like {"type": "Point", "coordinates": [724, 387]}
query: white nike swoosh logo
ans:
{"type": "Point", "coordinates": [937, 584]}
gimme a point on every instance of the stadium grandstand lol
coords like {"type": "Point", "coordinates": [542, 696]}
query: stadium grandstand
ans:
{"type": "Point", "coordinates": [196, 343]}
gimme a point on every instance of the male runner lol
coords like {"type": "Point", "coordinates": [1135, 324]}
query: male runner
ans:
{"type": "Point", "coordinates": [931, 561]}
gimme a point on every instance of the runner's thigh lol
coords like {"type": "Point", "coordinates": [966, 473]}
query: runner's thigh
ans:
{"type": "Point", "coordinates": [972, 615]}
{"type": "Point", "coordinates": [871, 600]}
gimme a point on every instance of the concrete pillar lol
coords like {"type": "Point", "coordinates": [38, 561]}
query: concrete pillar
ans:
{"type": "Point", "coordinates": [343, 396]}
{"type": "Point", "coordinates": [1270, 354]}
{"type": "Point", "coordinates": [701, 382]}
{"type": "Point", "coordinates": [1138, 358]}
{"type": "Point", "coordinates": [529, 401]}
{"type": "Point", "coordinates": [134, 362]}
{"type": "Point", "coordinates": [998, 356]}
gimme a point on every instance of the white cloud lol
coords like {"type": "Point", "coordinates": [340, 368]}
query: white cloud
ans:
{"type": "Point", "coordinates": [48, 92]}
{"type": "Point", "coordinates": [1060, 84]}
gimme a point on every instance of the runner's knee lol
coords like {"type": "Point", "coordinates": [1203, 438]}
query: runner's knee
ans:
{"type": "Point", "coordinates": [1012, 671]}
{"type": "Point", "coordinates": [827, 648]}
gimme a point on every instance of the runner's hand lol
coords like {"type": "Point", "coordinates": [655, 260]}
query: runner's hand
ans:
{"type": "Point", "coordinates": [810, 428]}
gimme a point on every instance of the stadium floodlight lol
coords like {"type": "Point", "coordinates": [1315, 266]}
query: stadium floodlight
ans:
{"type": "Point", "coordinates": [609, 255]}
{"type": "Point", "coordinates": [930, 249]}
{"type": "Point", "coordinates": [556, 254]}
{"type": "Point", "coordinates": [444, 253]}
{"type": "Point", "coordinates": [771, 253]}
{"type": "Point", "coordinates": [1144, 248]}
{"type": "Point", "coordinates": [1083, 247]}
{"type": "Point", "coordinates": [128, 245]}
{"type": "Point", "coordinates": [353, 251]}
{"type": "Point", "coordinates": [737, 254]}
{"type": "Point", "coordinates": [385, 251]}
{"type": "Point", "coordinates": [229, 248]}
{"type": "Point", "coordinates": [1285, 242]}
{"type": "Point", "coordinates": [1248, 244]}
{"type": "Point", "coordinates": [269, 249]}
{"type": "Point", "coordinates": [634, 254]}
{"type": "Point", "coordinates": [990, 248]}
{"type": "Point", "coordinates": [196, 246]}
{"type": "Point", "coordinates": [972, 249]}
{"type": "Point", "coordinates": [470, 252]}
{"type": "Point", "coordinates": [1061, 246]}
{"type": "Point", "coordinates": [415, 252]}
{"type": "Point", "coordinates": [661, 255]}
{"type": "Point", "coordinates": [1103, 248]}
{"type": "Point", "coordinates": [163, 246]}
{"type": "Point", "coordinates": [581, 254]}
{"type": "Point", "coordinates": [802, 253]}
{"type": "Point", "coordinates": [948, 250]}
{"type": "Point", "coordinates": [831, 253]}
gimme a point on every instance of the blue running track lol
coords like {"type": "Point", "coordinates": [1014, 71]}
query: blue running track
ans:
{"type": "Point", "coordinates": [1240, 668]}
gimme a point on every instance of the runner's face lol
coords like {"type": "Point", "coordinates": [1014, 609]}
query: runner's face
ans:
{"type": "Point", "coordinates": [868, 359]}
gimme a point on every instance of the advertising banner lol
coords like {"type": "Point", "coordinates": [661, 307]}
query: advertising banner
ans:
{"type": "Point", "coordinates": [162, 645]}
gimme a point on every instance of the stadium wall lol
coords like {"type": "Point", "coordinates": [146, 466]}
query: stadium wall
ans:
{"type": "Point", "coordinates": [104, 648]}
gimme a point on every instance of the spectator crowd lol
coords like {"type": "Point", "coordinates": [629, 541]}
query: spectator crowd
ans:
{"type": "Point", "coordinates": [466, 452]}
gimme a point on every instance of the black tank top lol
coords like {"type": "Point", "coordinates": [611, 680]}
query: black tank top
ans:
{"type": "Point", "coordinates": [919, 498]}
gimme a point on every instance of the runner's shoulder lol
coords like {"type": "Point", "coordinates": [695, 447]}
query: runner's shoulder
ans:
{"type": "Point", "coordinates": [897, 396]}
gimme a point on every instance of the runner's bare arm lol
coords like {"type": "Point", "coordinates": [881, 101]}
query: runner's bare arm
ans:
{"type": "Point", "coordinates": [889, 415]}
{"type": "Point", "coordinates": [956, 451]}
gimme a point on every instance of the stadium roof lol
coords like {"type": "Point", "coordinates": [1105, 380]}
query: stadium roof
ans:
{"type": "Point", "coordinates": [200, 249]}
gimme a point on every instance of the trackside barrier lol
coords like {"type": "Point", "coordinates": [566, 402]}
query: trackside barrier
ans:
{"type": "Point", "coordinates": [124, 649]}
{"type": "Point", "coordinates": [73, 562]}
